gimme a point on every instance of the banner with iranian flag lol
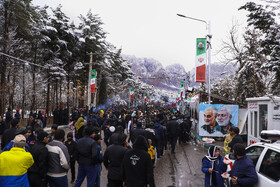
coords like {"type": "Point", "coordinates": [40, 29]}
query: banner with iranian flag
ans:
{"type": "Point", "coordinates": [131, 93]}
{"type": "Point", "coordinates": [145, 97]}
{"type": "Point", "coordinates": [200, 60]}
{"type": "Point", "coordinates": [92, 81]}
{"type": "Point", "coordinates": [182, 85]}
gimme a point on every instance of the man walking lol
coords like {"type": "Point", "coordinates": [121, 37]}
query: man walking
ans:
{"type": "Point", "coordinates": [58, 161]}
{"type": "Point", "coordinates": [137, 166]}
{"type": "Point", "coordinates": [87, 157]}
{"type": "Point", "coordinates": [38, 171]}
{"type": "Point", "coordinates": [172, 127]}
{"type": "Point", "coordinates": [112, 160]}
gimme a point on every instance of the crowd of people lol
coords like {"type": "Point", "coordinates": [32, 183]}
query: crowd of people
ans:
{"type": "Point", "coordinates": [134, 139]}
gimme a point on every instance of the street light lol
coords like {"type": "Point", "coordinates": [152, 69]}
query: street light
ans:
{"type": "Point", "coordinates": [209, 36]}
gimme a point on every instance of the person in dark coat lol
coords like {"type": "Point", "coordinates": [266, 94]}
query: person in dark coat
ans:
{"type": "Point", "coordinates": [8, 117]}
{"type": "Point", "coordinates": [38, 171]}
{"type": "Point", "coordinates": [17, 115]}
{"type": "Point", "coordinates": [56, 116]}
{"type": "Point", "coordinates": [172, 127]}
{"type": "Point", "coordinates": [138, 131]}
{"type": "Point", "coordinates": [137, 166]}
{"type": "Point", "coordinates": [9, 134]}
{"type": "Point", "coordinates": [236, 137]}
{"type": "Point", "coordinates": [65, 116]}
{"type": "Point", "coordinates": [98, 139]}
{"type": "Point", "coordinates": [87, 157]}
{"type": "Point", "coordinates": [2, 126]}
{"type": "Point", "coordinates": [112, 160]}
{"type": "Point", "coordinates": [72, 149]}
{"type": "Point", "coordinates": [243, 171]}
{"type": "Point", "coordinates": [160, 137]}
{"type": "Point", "coordinates": [213, 167]}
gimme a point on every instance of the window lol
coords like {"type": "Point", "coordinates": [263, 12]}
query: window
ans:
{"type": "Point", "coordinates": [270, 166]}
{"type": "Point", "coordinates": [254, 153]}
{"type": "Point", "coordinates": [262, 118]}
{"type": "Point", "coordinates": [255, 124]}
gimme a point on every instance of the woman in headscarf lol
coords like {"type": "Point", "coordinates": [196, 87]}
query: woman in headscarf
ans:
{"type": "Point", "coordinates": [213, 167]}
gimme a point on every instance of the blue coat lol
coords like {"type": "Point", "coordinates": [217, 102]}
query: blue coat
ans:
{"type": "Point", "coordinates": [245, 171]}
{"type": "Point", "coordinates": [221, 168]}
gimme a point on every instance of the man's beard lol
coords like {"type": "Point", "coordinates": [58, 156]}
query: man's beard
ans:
{"type": "Point", "coordinates": [224, 123]}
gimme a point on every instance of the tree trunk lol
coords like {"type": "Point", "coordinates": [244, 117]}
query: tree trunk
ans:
{"type": "Point", "coordinates": [33, 102]}
{"type": "Point", "coordinates": [60, 93]}
{"type": "Point", "coordinates": [23, 90]}
{"type": "Point", "coordinates": [3, 65]}
{"type": "Point", "coordinates": [48, 96]}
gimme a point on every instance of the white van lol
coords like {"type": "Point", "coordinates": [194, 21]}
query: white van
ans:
{"type": "Point", "coordinates": [266, 157]}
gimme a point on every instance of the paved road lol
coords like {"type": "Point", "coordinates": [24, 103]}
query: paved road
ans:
{"type": "Point", "coordinates": [182, 169]}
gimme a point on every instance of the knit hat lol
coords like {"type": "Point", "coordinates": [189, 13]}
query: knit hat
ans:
{"type": "Point", "coordinates": [42, 135]}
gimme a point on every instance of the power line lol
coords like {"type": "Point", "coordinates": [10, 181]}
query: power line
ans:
{"type": "Point", "coordinates": [30, 63]}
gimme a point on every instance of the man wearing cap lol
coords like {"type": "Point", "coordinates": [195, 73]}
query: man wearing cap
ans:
{"type": "Point", "coordinates": [38, 171]}
{"type": "Point", "coordinates": [14, 164]}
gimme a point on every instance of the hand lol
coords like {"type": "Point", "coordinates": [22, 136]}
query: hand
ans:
{"type": "Point", "coordinates": [225, 173]}
{"type": "Point", "coordinates": [234, 180]}
{"type": "Point", "coordinates": [210, 170]}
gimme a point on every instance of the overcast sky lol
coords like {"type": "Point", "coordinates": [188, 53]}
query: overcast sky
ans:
{"type": "Point", "coordinates": [151, 28]}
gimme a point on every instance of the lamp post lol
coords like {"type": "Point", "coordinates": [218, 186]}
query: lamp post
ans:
{"type": "Point", "coordinates": [209, 36]}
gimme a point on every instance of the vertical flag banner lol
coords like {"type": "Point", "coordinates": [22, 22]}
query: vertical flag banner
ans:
{"type": "Point", "coordinates": [152, 100]}
{"type": "Point", "coordinates": [178, 96]}
{"type": "Point", "coordinates": [131, 93]}
{"type": "Point", "coordinates": [145, 97]}
{"type": "Point", "coordinates": [200, 60]}
{"type": "Point", "coordinates": [182, 85]}
{"type": "Point", "coordinates": [92, 81]}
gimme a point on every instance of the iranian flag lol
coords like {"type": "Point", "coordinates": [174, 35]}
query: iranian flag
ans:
{"type": "Point", "coordinates": [145, 97]}
{"type": "Point", "coordinates": [131, 93]}
{"type": "Point", "coordinates": [152, 100]}
{"type": "Point", "coordinates": [200, 60]}
{"type": "Point", "coordinates": [178, 96]}
{"type": "Point", "coordinates": [182, 85]}
{"type": "Point", "coordinates": [93, 81]}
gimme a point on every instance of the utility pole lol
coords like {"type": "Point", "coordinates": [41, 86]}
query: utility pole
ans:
{"type": "Point", "coordinates": [89, 81]}
{"type": "Point", "coordinates": [209, 36]}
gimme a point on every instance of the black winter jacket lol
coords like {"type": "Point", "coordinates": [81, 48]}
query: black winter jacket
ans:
{"type": "Point", "coordinates": [236, 139]}
{"type": "Point", "coordinates": [112, 160]}
{"type": "Point", "coordinates": [137, 168]}
{"type": "Point", "coordinates": [72, 149]}
{"type": "Point", "coordinates": [173, 128]}
{"type": "Point", "coordinates": [40, 155]}
{"type": "Point", "coordinates": [87, 153]}
{"type": "Point", "coordinates": [8, 135]}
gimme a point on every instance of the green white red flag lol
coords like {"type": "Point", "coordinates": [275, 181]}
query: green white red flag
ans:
{"type": "Point", "coordinates": [200, 60]}
{"type": "Point", "coordinates": [182, 85]}
{"type": "Point", "coordinates": [131, 93]}
{"type": "Point", "coordinates": [145, 97]}
{"type": "Point", "coordinates": [93, 81]}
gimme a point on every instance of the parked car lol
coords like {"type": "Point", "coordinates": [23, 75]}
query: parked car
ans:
{"type": "Point", "coordinates": [266, 158]}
